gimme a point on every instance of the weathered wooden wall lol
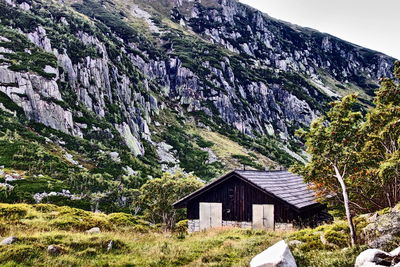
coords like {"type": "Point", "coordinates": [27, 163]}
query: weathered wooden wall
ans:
{"type": "Point", "coordinates": [237, 198]}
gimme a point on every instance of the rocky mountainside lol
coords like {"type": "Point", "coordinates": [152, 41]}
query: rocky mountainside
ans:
{"type": "Point", "coordinates": [119, 87]}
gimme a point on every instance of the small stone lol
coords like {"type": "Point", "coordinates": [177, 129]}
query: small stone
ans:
{"type": "Point", "coordinates": [115, 156]}
{"type": "Point", "coordinates": [94, 230]}
{"type": "Point", "coordinates": [110, 245]}
{"type": "Point", "coordinates": [54, 250]}
{"type": "Point", "coordinates": [9, 240]}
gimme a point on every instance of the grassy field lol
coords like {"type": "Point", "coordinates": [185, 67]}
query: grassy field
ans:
{"type": "Point", "coordinates": [135, 243]}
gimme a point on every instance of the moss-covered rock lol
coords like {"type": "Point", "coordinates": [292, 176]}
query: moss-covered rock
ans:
{"type": "Point", "coordinates": [384, 231]}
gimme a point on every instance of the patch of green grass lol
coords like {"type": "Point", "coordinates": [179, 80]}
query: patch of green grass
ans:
{"type": "Point", "coordinates": [327, 258]}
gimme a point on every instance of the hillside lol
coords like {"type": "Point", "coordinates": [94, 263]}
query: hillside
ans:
{"type": "Point", "coordinates": [102, 95]}
{"type": "Point", "coordinates": [133, 242]}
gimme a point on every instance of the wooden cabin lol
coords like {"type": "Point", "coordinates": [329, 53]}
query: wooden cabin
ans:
{"type": "Point", "coordinates": [253, 199]}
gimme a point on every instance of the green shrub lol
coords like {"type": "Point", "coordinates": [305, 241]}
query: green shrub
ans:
{"type": "Point", "coordinates": [245, 160]}
{"type": "Point", "coordinates": [75, 219]}
{"type": "Point", "coordinates": [122, 219]}
{"type": "Point", "coordinates": [13, 212]}
{"type": "Point", "coordinates": [45, 208]}
{"type": "Point", "coordinates": [337, 238]}
{"type": "Point", "coordinates": [66, 201]}
{"type": "Point", "coordinates": [311, 239]}
{"type": "Point", "coordinates": [181, 228]}
{"type": "Point", "coordinates": [140, 228]}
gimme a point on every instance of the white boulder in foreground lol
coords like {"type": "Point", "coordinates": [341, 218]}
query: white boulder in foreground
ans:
{"type": "Point", "coordinates": [373, 258]}
{"type": "Point", "coordinates": [278, 255]}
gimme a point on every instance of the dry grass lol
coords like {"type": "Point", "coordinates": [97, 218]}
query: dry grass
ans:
{"type": "Point", "coordinates": [225, 148]}
{"type": "Point", "coordinates": [137, 244]}
{"type": "Point", "coordinates": [218, 247]}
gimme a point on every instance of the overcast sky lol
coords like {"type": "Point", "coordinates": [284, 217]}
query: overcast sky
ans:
{"type": "Point", "coordinates": [373, 24]}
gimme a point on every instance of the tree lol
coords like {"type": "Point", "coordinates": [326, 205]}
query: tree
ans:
{"type": "Point", "coordinates": [334, 142]}
{"type": "Point", "coordinates": [381, 151]}
{"type": "Point", "coordinates": [158, 195]}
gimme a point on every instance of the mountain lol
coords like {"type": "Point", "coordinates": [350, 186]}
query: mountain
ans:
{"type": "Point", "coordinates": [138, 87]}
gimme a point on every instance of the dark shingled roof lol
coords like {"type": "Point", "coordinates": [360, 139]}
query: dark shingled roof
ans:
{"type": "Point", "coordinates": [284, 185]}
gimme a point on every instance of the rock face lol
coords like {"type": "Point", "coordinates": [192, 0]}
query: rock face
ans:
{"type": "Point", "coordinates": [278, 255]}
{"type": "Point", "coordinates": [242, 68]}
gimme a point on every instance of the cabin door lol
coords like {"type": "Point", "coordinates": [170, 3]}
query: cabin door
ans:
{"type": "Point", "coordinates": [263, 217]}
{"type": "Point", "coordinates": [210, 215]}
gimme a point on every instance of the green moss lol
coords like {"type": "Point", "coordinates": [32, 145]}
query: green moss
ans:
{"type": "Point", "coordinates": [384, 211]}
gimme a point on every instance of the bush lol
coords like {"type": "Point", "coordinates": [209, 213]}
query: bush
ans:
{"type": "Point", "coordinates": [13, 211]}
{"type": "Point", "coordinates": [140, 228]}
{"type": "Point", "coordinates": [181, 228]}
{"type": "Point", "coordinates": [75, 219]}
{"type": "Point", "coordinates": [337, 238]}
{"type": "Point", "coordinates": [122, 219]}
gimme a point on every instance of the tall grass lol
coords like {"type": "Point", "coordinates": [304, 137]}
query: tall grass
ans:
{"type": "Point", "coordinates": [135, 243]}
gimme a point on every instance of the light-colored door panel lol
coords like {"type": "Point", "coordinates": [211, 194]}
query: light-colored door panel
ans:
{"type": "Point", "coordinates": [216, 214]}
{"type": "Point", "coordinates": [269, 220]}
{"type": "Point", "coordinates": [263, 217]}
{"type": "Point", "coordinates": [258, 215]}
{"type": "Point", "coordinates": [210, 215]}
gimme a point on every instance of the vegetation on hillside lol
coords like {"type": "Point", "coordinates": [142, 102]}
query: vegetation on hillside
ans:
{"type": "Point", "coordinates": [158, 195]}
{"type": "Point", "coordinates": [355, 156]}
{"type": "Point", "coordinates": [135, 242]}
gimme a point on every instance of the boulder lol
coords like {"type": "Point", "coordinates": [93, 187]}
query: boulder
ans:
{"type": "Point", "coordinates": [278, 255]}
{"type": "Point", "coordinates": [54, 250]}
{"type": "Point", "coordinates": [9, 240]}
{"type": "Point", "coordinates": [94, 230]}
{"type": "Point", "coordinates": [395, 252]}
{"type": "Point", "coordinates": [383, 232]}
{"type": "Point", "coordinates": [373, 257]}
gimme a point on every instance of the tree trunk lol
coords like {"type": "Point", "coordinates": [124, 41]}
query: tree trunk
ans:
{"type": "Point", "coordinates": [353, 235]}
